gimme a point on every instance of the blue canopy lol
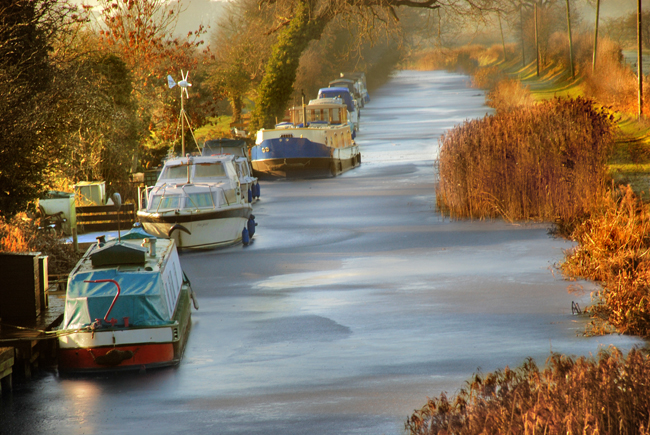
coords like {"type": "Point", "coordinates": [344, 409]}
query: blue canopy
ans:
{"type": "Point", "coordinates": [336, 92]}
{"type": "Point", "coordinates": [141, 298]}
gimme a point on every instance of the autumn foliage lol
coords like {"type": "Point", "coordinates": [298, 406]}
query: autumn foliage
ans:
{"type": "Point", "coordinates": [21, 234]}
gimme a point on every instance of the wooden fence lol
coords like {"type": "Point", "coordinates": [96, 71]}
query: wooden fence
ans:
{"type": "Point", "coordinates": [104, 218]}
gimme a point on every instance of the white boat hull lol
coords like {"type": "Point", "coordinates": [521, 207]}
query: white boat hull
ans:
{"type": "Point", "coordinates": [206, 230]}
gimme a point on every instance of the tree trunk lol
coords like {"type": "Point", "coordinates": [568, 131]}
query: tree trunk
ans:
{"type": "Point", "coordinates": [503, 41]}
{"type": "Point", "coordinates": [523, 45]}
{"type": "Point", "coordinates": [236, 104]}
{"type": "Point", "coordinates": [593, 63]}
{"type": "Point", "coordinates": [639, 38]}
{"type": "Point", "coordinates": [277, 85]}
{"type": "Point", "coordinates": [537, 40]}
{"type": "Point", "coordinates": [568, 20]}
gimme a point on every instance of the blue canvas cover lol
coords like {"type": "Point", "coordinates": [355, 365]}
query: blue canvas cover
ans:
{"type": "Point", "coordinates": [141, 298]}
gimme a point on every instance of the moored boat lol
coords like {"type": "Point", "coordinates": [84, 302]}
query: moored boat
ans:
{"type": "Point", "coordinates": [360, 84]}
{"type": "Point", "coordinates": [347, 97]}
{"type": "Point", "coordinates": [198, 202]}
{"type": "Point", "coordinates": [127, 306]}
{"type": "Point", "coordinates": [320, 147]}
{"type": "Point", "coordinates": [238, 148]}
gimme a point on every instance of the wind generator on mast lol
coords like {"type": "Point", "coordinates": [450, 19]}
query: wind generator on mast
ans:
{"type": "Point", "coordinates": [183, 85]}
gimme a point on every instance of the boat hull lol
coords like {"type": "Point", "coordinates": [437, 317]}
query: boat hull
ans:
{"type": "Point", "coordinates": [301, 158]}
{"type": "Point", "coordinates": [124, 348]}
{"type": "Point", "coordinates": [206, 229]}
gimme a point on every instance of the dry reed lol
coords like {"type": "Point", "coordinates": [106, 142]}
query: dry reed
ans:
{"type": "Point", "coordinates": [603, 395]}
{"type": "Point", "coordinates": [613, 248]}
{"type": "Point", "coordinates": [543, 163]}
{"type": "Point", "coordinates": [508, 94]}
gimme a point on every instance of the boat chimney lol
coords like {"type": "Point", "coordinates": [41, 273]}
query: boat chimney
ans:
{"type": "Point", "coordinates": [152, 247]}
{"type": "Point", "coordinates": [189, 163]}
{"type": "Point", "coordinates": [304, 110]}
{"type": "Point", "coordinates": [100, 241]}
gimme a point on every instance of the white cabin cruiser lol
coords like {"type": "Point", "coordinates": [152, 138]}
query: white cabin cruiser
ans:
{"type": "Point", "coordinates": [198, 202]}
{"type": "Point", "coordinates": [238, 148]}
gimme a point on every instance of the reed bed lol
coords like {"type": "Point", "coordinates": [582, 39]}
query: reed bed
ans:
{"type": "Point", "coordinates": [542, 163]}
{"type": "Point", "coordinates": [614, 250]}
{"type": "Point", "coordinates": [607, 394]}
{"type": "Point", "coordinates": [22, 234]}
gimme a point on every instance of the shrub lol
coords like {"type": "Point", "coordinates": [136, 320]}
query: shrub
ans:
{"type": "Point", "coordinates": [21, 234]}
{"type": "Point", "coordinates": [613, 247]}
{"type": "Point", "coordinates": [542, 163]}
{"type": "Point", "coordinates": [613, 83]}
{"type": "Point", "coordinates": [487, 77]}
{"type": "Point", "coordinates": [603, 395]}
{"type": "Point", "coordinates": [509, 95]}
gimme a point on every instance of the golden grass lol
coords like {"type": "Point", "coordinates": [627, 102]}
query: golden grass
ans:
{"type": "Point", "coordinates": [602, 395]}
{"type": "Point", "coordinates": [541, 162]}
{"type": "Point", "coordinates": [614, 249]}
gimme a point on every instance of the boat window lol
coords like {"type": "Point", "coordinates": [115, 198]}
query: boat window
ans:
{"type": "Point", "coordinates": [199, 200]}
{"type": "Point", "coordinates": [159, 202]}
{"type": "Point", "coordinates": [212, 169]}
{"type": "Point", "coordinates": [286, 135]}
{"type": "Point", "coordinates": [171, 172]}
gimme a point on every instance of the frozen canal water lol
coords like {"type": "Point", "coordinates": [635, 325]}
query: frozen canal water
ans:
{"type": "Point", "coordinates": [355, 302]}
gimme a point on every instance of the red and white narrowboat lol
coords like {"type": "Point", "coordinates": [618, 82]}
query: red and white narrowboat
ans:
{"type": "Point", "coordinates": [127, 306]}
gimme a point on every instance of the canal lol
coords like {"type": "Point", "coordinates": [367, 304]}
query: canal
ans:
{"type": "Point", "coordinates": [355, 301]}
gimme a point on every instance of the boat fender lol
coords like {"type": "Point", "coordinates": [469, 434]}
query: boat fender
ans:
{"type": "Point", "coordinates": [245, 238]}
{"type": "Point", "coordinates": [250, 195]}
{"type": "Point", "coordinates": [177, 227]}
{"type": "Point", "coordinates": [257, 190]}
{"type": "Point", "coordinates": [194, 301]}
{"type": "Point", "coordinates": [251, 224]}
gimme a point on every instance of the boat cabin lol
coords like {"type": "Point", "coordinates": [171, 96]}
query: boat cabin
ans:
{"type": "Point", "coordinates": [324, 110]}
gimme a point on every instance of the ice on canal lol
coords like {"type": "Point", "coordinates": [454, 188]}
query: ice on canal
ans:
{"type": "Point", "coordinates": [355, 301]}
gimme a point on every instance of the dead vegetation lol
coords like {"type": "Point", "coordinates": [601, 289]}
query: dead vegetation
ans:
{"type": "Point", "coordinates": [22, 234]}
{"type": "Point", "coordinates": [602, 395]}
{"type": "Point", "coordinates": [542, 162]}
{"type": "Point", "coordinates": [613, 248]}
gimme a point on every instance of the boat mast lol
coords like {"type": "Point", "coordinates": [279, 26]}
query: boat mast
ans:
{"type": "Point", "coordinates": [183, 85]}
{"type": "Point", "coordinates": [182, 125]}
{"type": "Point", "coordinates": [304, 110]}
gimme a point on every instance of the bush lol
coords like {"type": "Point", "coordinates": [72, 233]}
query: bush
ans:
{"type": "Point", "coordinates": [542, 163]}
{"type": "Point", "coordinates": [613, 83]}
{"type": "Point", "coordinates": [613, 246]}
{"type": "Point", "coordinates": [21, 234]}
{"type": "Point", "coordinates": [487, 77]}
{"type": "Point", "coordinates": [603, 395]}
{"type": "Point", "coordinates": [509, 95]}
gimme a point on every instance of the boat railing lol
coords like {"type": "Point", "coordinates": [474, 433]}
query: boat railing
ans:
{"type": "Point", "coordinates": [111, 321]}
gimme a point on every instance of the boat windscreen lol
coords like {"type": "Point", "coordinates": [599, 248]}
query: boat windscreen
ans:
{"type": "Point", "coordinates": [169, 202]}
{"type": "Point", "coordinates": [171, 172]}
{"type": "Point", "coordinates": [199, 200]}
{"type": "Point", "coordinates": [212, 169]}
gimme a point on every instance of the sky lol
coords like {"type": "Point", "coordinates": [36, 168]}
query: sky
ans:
{"type": "Point", "coordinates": [198, 12]}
